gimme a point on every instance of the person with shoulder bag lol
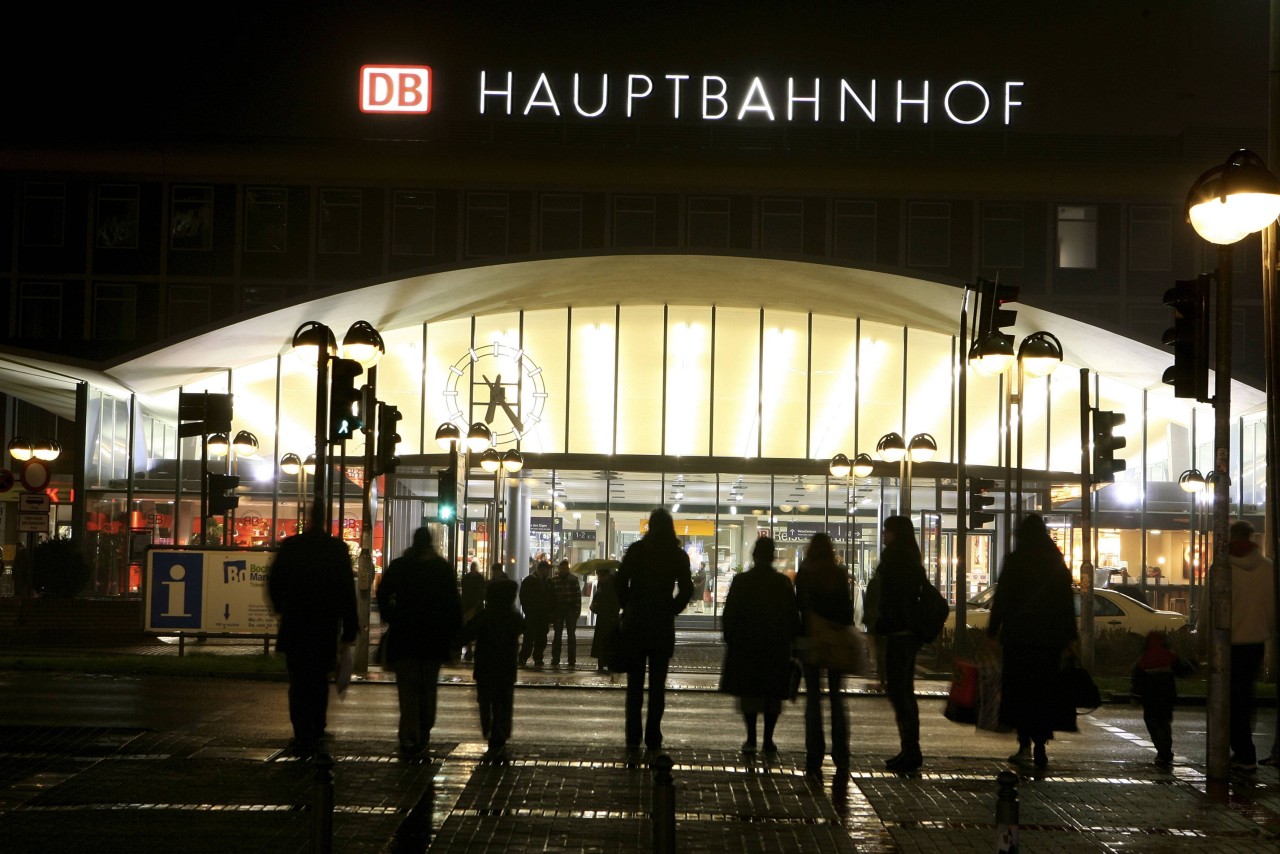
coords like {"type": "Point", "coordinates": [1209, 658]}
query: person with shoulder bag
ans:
{"type": "Point", "coordinates": [823, 596]}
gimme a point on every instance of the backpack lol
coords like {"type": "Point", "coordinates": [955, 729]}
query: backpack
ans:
{"type": "Point", "coordinates": [928, 613]}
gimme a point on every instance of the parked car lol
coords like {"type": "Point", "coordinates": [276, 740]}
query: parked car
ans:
{"type": "Point", "coordinates": [1111, 610]}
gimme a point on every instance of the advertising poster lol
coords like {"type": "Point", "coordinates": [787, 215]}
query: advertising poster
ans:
{"type": "Point", "coordinates": [208, 590]}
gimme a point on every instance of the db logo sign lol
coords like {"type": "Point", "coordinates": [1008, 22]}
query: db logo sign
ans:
{"type": "Point", "coordinates": [395, 89]}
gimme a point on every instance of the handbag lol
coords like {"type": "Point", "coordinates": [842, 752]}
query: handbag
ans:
{"type": "Point", "coordinates": [989, 697]}
{"type": "Point", "coordinates": [835, 647]}
{"type": "Point", "coordinates": [1079, 686]}
{"type": "Point", "coordinates": [380, 651]}
{"type": "Point", "coordinates": [613, 650]}
{"type": "Point", "coordinates": [928, 613]}
{"type": "Point", "coordinates": [962, 699]}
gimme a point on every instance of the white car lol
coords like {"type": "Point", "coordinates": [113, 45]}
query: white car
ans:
{"type": "Point", "coordinates": [1111, 610]}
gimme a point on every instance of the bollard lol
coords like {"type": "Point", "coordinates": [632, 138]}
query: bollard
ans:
{"type": "Point", "coordinates": [1007, 813]}
{"type": "Point", "coordinates": [322, 823]}
{"type": "Point", "coordinates": [664, 806]}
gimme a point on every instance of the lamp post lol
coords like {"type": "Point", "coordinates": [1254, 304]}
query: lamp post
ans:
{"type": "Point", "coordinates": [294, 465]}
{"type": "Point", "coordinates": [1038, 355]}
{"type": "Point", "coordinates": [1226, 204]}
{"type": "Point", "coordinates": [841, 466]}
{"type": "Point", "coordinates": [479, 438]}
{"type": "Point", "coordinates": [893, 449]}
{"type": "Point", "coordinates": [499, 465]}
{"type": "Point", "coordinates": [1192, 483]}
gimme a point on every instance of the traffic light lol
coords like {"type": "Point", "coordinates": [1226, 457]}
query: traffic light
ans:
{"type": "Point", "coordinates": [447, 496]}
{"type": "Point", "coordinates": [345, 400]}
{"type": "Point", "coordinates": [978, 500]}
{"type": "Point", "coordinates": [222, 497]}
{"type": "Point", "coordinates": [388, 438]}
{"type": "Point", "coordinates": [1105, 445]}
{"type": "Point", "coordinates": [1189, 338]}
{"type": "Point", "coordinates": [992, 315]}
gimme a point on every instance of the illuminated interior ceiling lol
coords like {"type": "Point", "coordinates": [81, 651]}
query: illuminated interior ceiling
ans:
{"type": "Point", "coordinates": [731, 281]}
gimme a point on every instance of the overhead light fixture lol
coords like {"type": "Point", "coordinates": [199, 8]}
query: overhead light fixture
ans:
{"type": "Point", "coordinates": [21, 449]}
{"type": "Point", "coordinates": [291, 463]}
{"type": "Point", "coordinates": [46, 450]}
{"type": "Point", "coordinates": [1231, 201]}
{"type": "Point", "coordinates": [1191, 481]}
{"type": "Point", "coordinates": [479, 437]}
{"type": "Point", "coordinates": [512, 461]}
{"type": "Point", "coordinates": [1040, 353]}
{"type": "Point", "coordinates": [309, 340]}
{"type": "Point", "coordinates": [363, 343]}
{"type": "Point", "coordinates": [891, 447]}
{"type": "Point", "coordinates": [309, 464]}
{"type": "Point", "coordinates": [922, 448]}
{"type": "Point", "coordinates": [246, 444]}
{"type": "Point", "coordinates": [490, 460]}
{"type": "Point", "coordinates": [447, 435]}
{"type": "Point", "coordinates": [218, 443]}
{"type": "Point", "coordinates": [840, 466]}
{"type": "Point", "coordinates": [863, 465]}
{"type": "Point", "coordinates": [992, 355]}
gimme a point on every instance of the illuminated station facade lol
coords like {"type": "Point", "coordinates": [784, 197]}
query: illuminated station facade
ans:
{"type": "Point", "coordinates": [687, 276]}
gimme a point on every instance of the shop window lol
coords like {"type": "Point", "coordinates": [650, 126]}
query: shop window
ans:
{"type": "Point", "coordinates": [709, 222]}
{"type": "Point", "coordinates": [1002, 231]}
{"type": "Point", "coordinates": [43, 214]}
{"type": "Point", "coordinates": [191, 219]}
{"type": "Point", "coordinates": [782, 225]}
{"type": "Point", "coordinates": [929, 234]}
{"type": "Point", "coordinates": [488, 217]}
{"type": "Point", "coordinates": [1150, 238]}
{"type": "Point", "coordinates": [40, 310]}
{"type": "Point", "coordinates": [1077, 237]}
{"type": "Point", "coordinates": [634, 222]}
{"type": "Point", "coordinates": [115, 312]}
{"type": "Point", "coordinates": [855, 231]}
{"type": "Point", "coordinates": [117, 224]}
{"type": "Point", "coordinates": [266, 219]}
{"type": "Point", "coordinates": [189, 307]}
{"type": "Point", "coordinates": [560, 222]}
{"type": "Point", "coordinates": [340, 222]}
{"type": "Point", "coordinates": [413, 217]}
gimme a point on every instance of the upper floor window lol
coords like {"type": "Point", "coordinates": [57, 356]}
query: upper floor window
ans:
{"type": "Point", "coordinates": [190, 307]}
{"type": "Point", "coordinates": [929, 234]}
{"type": "Point", "coordinates": [115, 312]}
{"type": "Point", "coordinates": [560, 222]}
{"type": "Point", "coordinates": [1002, 232]}
{"type": "Point", "coordinates": [117, 225]}
{"type": "Point", "coordinates": [1077, 237]}
{"type": "Point", "coordinates": [488, 217]}
{"type": "Point", "coordinates": [43, 213]}
{"type": "Point", "coordinates": [40, 310]}
{"type": "Point", "coordinates": [413, 223]}
{"type": "Point", "coordinates": [709, 222]}
{"type": "Point", "coordinates": [782, 225]}
{"type": "Point", "coordinates": [340, 222]}
{"type": "Point", "coordinates": [855, 230]}
{"type": "Point", "coordinates": [191, 219]}
{"type": "Point", "coordinates": [266, 219]}
{"type": "Point", "coordinates": [1150, 238]}
{"type": "Point", "coordinates": [635, 221]}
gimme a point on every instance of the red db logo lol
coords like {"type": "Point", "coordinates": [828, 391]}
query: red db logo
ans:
{"type": "Point", "coordinates": [395, 89]}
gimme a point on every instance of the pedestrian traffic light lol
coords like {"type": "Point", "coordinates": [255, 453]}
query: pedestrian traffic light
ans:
{"type": "Point", "coordinates": [447, 495]}
{"type": "Point", "coordinates": [979, 500]}
{"type": "Point", "coordinates": [386, 459]}
{"type": "Point", "coordinates": [345, 400]}
{"type": "Point", "coordinates": [222, 497]}
{"type": "Point", "coordinates": [1105, 445]}
{"type": "Point", "coordinates": [1189, 338]}
{"type": "Point", "coordinates": [992, 349]}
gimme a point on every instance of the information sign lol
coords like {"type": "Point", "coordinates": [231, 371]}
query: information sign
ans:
{"type": "Point", "coordinates": [208, 590]}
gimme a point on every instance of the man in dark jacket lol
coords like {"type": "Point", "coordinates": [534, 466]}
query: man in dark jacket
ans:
{"type": "Point", "coordinates": [568, 593]}
{"type": "Point", "coordinates": [537, 600]}
{"type": "Point", "coordinates": [312, 589]}
{"type": "Point", "coordinates": [473, 584]}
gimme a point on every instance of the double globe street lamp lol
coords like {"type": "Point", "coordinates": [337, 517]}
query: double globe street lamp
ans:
{"type": "Point", "coordinates": [892, 448]}
{"type": "Point", "coordinates": [841, 466]}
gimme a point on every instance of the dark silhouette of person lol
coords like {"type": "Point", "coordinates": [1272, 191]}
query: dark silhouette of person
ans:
{"type": "Point", "coordinates": [473, 587]}
{"type": "Point", "coordinates": [896, 585]}
{"type": "Point", "coordinates": [312, 589]}
{"type": "Point", "coordinates": [652, 568]}
{"type": "Point", "coordinates": [760, 626]}
{"type": "Point", "coordinates": [537, 600]}
{"type": "Point", "coordinates": [1033, 619]}
{"type": "Point", "coordinates": [1153, 683]}
{"type": "Point", "coordinates": [605, 605]}
{"type": "Point", "coordinates": [1253, 623]}
{"type": "Point", "coordinates": [568, 607]}
{"type": "Point", "coordinates": [495, 634]}
{"type": "Point", "coordinates": [419, 600]}
{"type": "Point", "coordinates": [823, 589]}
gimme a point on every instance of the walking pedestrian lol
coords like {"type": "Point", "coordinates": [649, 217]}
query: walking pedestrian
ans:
{"type": "Point", "coordinates": [605, 605]}
{"type": "Point", "coordinates": [654, 584]}
{"type": "Point", "coordinates": [1253, 623]}
{"type": "Point", "coordinates": [537, 600]}
{"type": "Point", "coordinates": [1033, 619]}
{"type": "Point", "coordinates": [760, 626]}
{"type": "Point", "coordinates": [312, 589]}
{"type": "Point", "coordinates": [823, 590]}
{"type": "Point", "coordinates": [896, 584]}
{"type": "Point", "coordinates": [473, 588]}
{"type": "Point", "coordinates": [568, 607]}
{"type": "Point", "coordinates": [418, 599]}
{"type": "Point", "coordinates": [1153, 683]}
{"type": "Point", "coordinates": [495, 636]}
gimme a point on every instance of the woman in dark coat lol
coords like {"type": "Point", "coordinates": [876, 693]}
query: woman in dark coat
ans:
{"type": "Point", "coordinates": [822, 588]}
{"type": "Point", "coordinates": [418, 599]}
{"type": "Point", "coordinates": [604, 604]}
{"type": "Point", "coordinates": [1033, 618]}
{"type": "Point", "coordinates": [897, 582]}
{"type": "Point", "coordinates": [760, 625]}
{"type": "Point", "coordinates": [652, 568]}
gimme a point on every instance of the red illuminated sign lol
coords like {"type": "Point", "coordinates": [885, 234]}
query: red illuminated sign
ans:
{"type": "Point", "coordinates": [395, 89]}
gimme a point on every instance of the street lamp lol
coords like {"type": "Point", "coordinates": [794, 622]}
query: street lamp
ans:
{"type": "Point", "coordinates": [1226, 204]}
{"type": "Point", "coordinates": [479, 439]}
{"type": "Point", "coordinates": [1039, 355]}
{"type": "Point", "coordinates": [841, 466]}
{"type": "Point", "coordinates": [893, 449]}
